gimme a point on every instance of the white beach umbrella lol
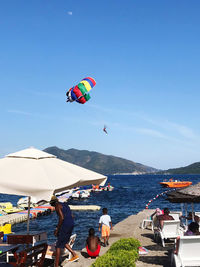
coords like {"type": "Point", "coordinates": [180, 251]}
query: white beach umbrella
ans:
{"type": "Point", "coordinates": [32, 172]}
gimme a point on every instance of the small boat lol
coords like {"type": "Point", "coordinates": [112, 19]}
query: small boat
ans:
{"type": "Point", "coordinates": [108, 188]}
{"type": "Point", "coordinates": [23, 202]}
{"type": "Point", "coordinates": [175, 183]}
{"type": "Point", "coordinates": [8, 208]}
{"type": "Point", "coordinates": [81, 194]}
{"type": "Point", "coordinates": [97, 188]}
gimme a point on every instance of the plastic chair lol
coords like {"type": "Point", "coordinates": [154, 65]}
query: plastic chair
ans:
{"type": "Point", "coordinates": [176, 215]}
{"type": "Point", "coordinates": [170, 230]}
{"type": "Point", "coordinates": [188, 252]}
{"type": "Point", "coordinates": [146, 222]}
{"type": "Point", "coordinates": [65, 253]}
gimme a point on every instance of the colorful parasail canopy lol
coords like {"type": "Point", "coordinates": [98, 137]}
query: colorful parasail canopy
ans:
{"type": "Point", "coordinates": [79, 93]}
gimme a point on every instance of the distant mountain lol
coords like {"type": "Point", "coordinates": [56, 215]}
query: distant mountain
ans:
{"type": "Point", "coordinates": [190, 169]}
{"type": "Point", "coordinates": [98, 162]}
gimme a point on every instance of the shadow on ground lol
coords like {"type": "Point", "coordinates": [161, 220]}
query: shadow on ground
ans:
{"type": "Point", "coordinates": [114, 235]}
{"type": "Point", "coordinates": [165, 260]}
{"type": "Point", "coordinates": [48, 263]}
{"type": "Point", "coordinates": [84, 254]}
{"type": "Point", "coordinates": [157, 247]}
{"type": "Point", "coordinates": [156, 260]}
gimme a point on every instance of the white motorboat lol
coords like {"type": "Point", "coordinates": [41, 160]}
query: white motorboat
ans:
{"type": "Point", "coordinates": [81, 194]}
{"type": "Point", "coordinates": [23, 202]}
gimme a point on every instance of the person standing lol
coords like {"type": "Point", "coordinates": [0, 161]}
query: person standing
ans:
{"type": "Point", "coordinates": [63, 230]}
{"type": "Point", "coordinates": [105, 224]}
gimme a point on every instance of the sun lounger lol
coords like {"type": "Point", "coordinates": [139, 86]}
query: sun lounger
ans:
{"type": "Point", "coordinates": [170, 230]}
{"type": "Point", "coordinates": [188, 252]}
{"type": "Point", "coordinates": [176, 214]}
{"type": "Point", "coordinates": [50, 254]}
{"type": "Point", "coordinates": [197, 213]}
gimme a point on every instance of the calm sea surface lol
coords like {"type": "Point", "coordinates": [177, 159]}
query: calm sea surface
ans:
{"type": "Point", "coordinates": [130, 195]}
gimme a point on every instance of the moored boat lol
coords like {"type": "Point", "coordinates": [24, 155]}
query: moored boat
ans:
{"type": "Point", "coordinates": [7, 207]}
{"type": "Point", "coordinates": [175, 183]}
{"type": "Point", "coordinates": [81, 194]}
{"type": "Point", "coordinates": [23, 202]}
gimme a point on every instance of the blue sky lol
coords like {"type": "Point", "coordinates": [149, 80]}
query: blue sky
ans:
{"type": "Point", "coordinates": [144, 56]}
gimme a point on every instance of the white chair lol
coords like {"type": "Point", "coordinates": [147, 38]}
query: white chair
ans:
{"type": "Point", "coordinates": [188, 252]}
{"type": "Point", "coordinates": [197, 213]}
{"type": "Point", "coordinates": [50, 254]}
{"type": "Point", "coordinates": [170, 230]}
{"type": "Point", "coordinates": [176, 214]}
{"type": "Point", "coordinates": [146, 222]}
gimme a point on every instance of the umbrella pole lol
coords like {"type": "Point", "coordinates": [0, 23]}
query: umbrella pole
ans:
{"type": "Point", "coordinates": [192, 211]}
{"type": "Point", "coordinates": [182, 209]}
{"type": "Point", "coordinates": [186, 214]}
{"type": "Point", "coordinates": [28, 220]}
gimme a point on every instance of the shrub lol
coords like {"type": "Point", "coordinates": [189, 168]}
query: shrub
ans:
{"type": "Point", "coordinates": [126, 244]}
{"type": "Point", "coordinates": [119, 259]}
{"type": "Point", "coordinates": [124, 253]}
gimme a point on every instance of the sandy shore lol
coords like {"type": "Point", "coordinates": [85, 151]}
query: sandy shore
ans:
{"type": "Point", "coordinates": [130, 227]}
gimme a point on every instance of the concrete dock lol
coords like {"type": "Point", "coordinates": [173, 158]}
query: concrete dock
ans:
{"type": "Point", "coordinates": [35, 212]}
{"type": "Point", "coordinates": [84, 207]}
{"type": "Point", "coordinates": [130, 227]}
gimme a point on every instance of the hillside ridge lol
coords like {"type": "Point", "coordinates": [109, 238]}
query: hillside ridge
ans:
{"type": "Point", "coordinates": [193, 168]}
{"type": "Point", "coordinates": [98, 162]}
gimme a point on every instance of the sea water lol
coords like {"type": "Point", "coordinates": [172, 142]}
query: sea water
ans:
{"type": "Point", "coordinates": [130, 195]}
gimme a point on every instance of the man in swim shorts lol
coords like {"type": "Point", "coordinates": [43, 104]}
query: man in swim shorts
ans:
{"type": "Point", "coordinates": [63, 230]}
{"type": "Point", "coordinates": [105, 224]}
{"type": "Point", "coordinates": [93, 244]}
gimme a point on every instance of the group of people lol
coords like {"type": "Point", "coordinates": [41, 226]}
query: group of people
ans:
{"type": "Point", "coordinates": [65, 227]}
{"type": "Point", "coordinates": [159, 216]}
{"type": "Point", "coordinates": [93, 243]}
{"type": "Point", "coordinates": [106, 188]}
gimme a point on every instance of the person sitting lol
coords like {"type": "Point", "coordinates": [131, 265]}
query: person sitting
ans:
{"type": "Point", "coordinates": [93, 244]}
{"type": "Point", "coordinates": [155, 220]}
{"type": "Point", "coordinates": [193, 229]}
{"type": "Point", "coordinates": [189, 217]}
{"type": "Point", "coordinates": [108, 187]}
{"type": "Point", "coordinates": [164, 217]}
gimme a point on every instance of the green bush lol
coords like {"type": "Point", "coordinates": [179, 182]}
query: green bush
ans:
{"type": "Point", "coordinates": [126, 244]}
{"type": "Point", "coordinates": [133, 253]}
{"type": "Point", "coordinates": [124, 253]}
{"type": "Point", "coordinates": [120, 258]}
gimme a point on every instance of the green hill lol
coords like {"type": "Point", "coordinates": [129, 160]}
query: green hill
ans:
{"type": "Point", "coordinates": [98, 162]}
{"type": "Point", "coordinates": [190, 169]}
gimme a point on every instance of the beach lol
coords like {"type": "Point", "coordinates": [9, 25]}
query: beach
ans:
{"type": "Point", "coordinates": [130, 227]}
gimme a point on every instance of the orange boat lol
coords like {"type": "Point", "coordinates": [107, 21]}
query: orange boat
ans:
{"type": "Point", "coordinates": [175, 183]}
